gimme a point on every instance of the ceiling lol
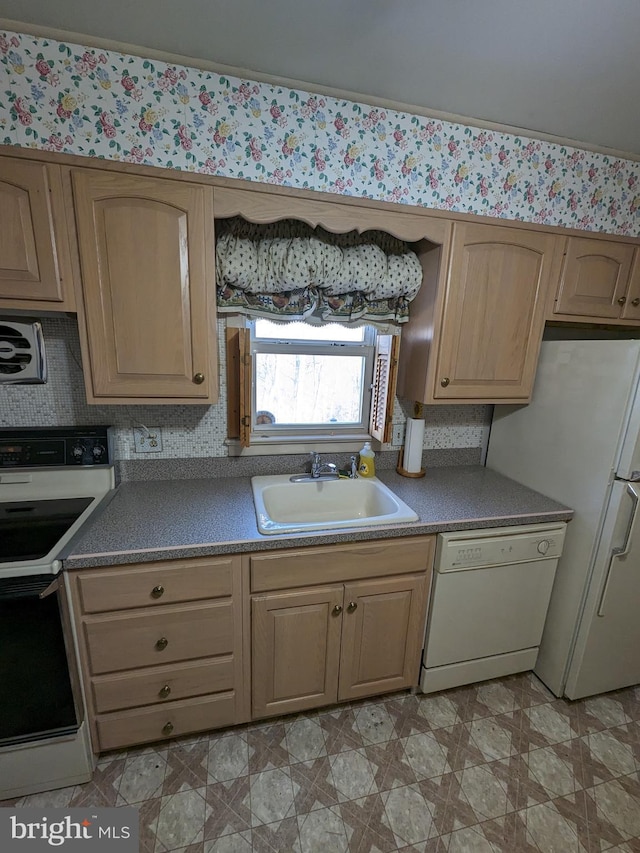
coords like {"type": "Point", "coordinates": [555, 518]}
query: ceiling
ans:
{"type": "Point", "coordinates": [570, 68]}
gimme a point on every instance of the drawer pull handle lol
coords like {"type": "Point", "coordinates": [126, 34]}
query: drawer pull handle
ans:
{"type": "Point", "coordinates": [162, 644]}
{"type": "Point", "coordinates": [157, 591]}
{"type": "Point", "coordinates": [167, 728]}
{"type": "Point", "coordinates": [164, 691]}
{"type": "Point", "coordinates": [353, 605]}
{"type": "Point", "coordinates": [337, 610]}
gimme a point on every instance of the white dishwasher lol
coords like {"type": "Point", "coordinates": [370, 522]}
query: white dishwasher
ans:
{"type": "Point", "coordinates": [489, 602]}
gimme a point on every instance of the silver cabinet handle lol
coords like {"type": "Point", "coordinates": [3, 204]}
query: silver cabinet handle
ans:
{"type": "Point", "coordinates": [620, 552]}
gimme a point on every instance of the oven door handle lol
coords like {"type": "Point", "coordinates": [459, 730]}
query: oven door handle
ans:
{"type": "Point", "coordinates": [53, 587]}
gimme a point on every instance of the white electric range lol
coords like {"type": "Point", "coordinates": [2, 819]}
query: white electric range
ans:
{"type": "Point", "coordinates": [51, 481]}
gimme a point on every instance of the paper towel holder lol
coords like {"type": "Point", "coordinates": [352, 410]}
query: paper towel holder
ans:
{"type": "Point", "coordinates": [401, 470]}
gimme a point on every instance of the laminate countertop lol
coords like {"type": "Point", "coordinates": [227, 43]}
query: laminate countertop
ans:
{"type": "Point", "coordinates": [170, 519]}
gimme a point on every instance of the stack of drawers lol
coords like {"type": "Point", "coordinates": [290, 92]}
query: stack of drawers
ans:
{"type": "Point", "coordinates": [161, 648]}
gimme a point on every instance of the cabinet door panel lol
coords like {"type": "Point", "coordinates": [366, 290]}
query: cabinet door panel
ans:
{"type": "Point", "coordinates": [494, 313]}
{"type": "Point", "coordinates": [148, 288]}
{"type": "Point", "coordinates": [296, 648]}
{"type": "Point", "coordinates": [595, 276]}
{"type": "Point", "coordinates": [28, 260]}
{"type": "Point", "coordinates": [631, 310]}
{"type": "Point", "coordinates": [382, 635]}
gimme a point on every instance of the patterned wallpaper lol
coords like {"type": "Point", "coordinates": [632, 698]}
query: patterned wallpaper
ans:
{"type": "Point", "coordinates": [187, 431]}
{"type": "Point", "coordinates": [63, 97]}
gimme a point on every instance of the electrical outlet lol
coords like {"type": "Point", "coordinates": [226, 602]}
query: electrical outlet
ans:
{"type": "Point", "coordinates": [147, 440]}
{"type": "Point", "coordinates": [398, 435]}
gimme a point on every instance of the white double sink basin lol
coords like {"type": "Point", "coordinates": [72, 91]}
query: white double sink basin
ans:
{"type": "Point", "coordinates": [283, 506]}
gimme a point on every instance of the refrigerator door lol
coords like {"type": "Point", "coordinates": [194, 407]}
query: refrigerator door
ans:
{"type": "Point", "coordinates": [566, 444]}
{"type": "Point", "coordinates": [606, 654]}
{"type": "Point", "coordinates": [629, 462]}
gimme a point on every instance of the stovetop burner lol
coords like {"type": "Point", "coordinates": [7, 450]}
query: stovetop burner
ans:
{"type": "Point", "coordinates": [51, 480]}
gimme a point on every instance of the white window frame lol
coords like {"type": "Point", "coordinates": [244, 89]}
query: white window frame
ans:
{"type": "Point", "coordinates": [316, 433]}
{"type": "Point", "coordinates": [241, 401]}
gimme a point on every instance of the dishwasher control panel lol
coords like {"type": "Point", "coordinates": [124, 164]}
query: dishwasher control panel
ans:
{"type": "Point", "coordinates": [470, 549]}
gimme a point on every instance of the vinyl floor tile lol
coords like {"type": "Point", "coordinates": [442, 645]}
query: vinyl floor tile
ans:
{"type": "Point", "coordinates": [498, 767]}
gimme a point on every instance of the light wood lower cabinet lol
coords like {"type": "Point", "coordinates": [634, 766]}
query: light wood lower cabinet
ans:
{"type": "Point", "coordinates": [296, 649]}
{"type": "Point", "coordinates": [164, 646]}
{"type": "Point", "coordinates": [320, 645]}
{"type": "Point", "coordinates": [161, 647]}
{"type": "Point", "coordinates": [382, 635]}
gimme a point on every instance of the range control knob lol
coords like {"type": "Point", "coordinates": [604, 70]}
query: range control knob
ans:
{"type": "Point", "coordinates": [77, 451]}
{"type": "Point", "coordinates": [543, 546]}
{"type": "Point", "coordinates": [98, 452]}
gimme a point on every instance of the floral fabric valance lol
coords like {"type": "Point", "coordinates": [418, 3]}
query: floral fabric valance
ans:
{"type": "Point", "coordinates": [292, 271]}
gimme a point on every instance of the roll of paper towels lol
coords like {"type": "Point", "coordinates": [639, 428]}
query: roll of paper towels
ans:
{"type": "Point", "coordinates": [413, 441]}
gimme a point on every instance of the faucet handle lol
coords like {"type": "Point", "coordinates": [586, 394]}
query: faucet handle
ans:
{"type": "Point", "coordinates": [315, 463]}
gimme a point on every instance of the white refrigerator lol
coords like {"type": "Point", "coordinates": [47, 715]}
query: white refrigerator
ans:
{"type": "Point", "coordinates": [578, 441]}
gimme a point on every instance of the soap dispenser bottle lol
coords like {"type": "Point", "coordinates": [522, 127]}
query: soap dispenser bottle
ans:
{"type": "Point", "coordinates": [367, 466]}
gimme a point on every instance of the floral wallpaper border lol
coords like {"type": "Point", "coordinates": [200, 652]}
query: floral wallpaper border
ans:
{"type": "Point", "coordinates": [63, 97]}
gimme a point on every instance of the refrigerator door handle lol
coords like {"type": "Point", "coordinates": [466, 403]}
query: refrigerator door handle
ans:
{"type": "Point", "coordinates": [620, 552]}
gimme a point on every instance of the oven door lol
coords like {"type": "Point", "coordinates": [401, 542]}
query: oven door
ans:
{"type": "Point", "coordinates": [37, 697]}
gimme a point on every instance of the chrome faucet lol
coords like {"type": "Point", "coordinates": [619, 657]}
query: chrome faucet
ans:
{"type": "Point", "coordinates": [318, 467]}
{"type": "Point", "coordinates": [353, 474]}
{"type": "Point", "coordinates": [319, 470]}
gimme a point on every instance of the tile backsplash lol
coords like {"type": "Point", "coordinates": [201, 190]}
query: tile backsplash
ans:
{"type": "Point", "coordinates": [187, 431]}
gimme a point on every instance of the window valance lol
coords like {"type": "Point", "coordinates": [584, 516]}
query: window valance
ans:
{"type": "Point", "coordinates": [290, 270]}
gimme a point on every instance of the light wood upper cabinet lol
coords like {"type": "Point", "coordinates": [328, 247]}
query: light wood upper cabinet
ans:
{"type": "Point", "coordinates": [631, 309]}
{"type": "Point", "coordinates": [494, 313]}
{"type": "Point", "coordinates": [596, 279]}
{"type": "Point", "coordinates": [147, 256]}
{"type": "Point", "coordinates": [475, 332]}
{"type": "Point", "coordinates": [34, 249]}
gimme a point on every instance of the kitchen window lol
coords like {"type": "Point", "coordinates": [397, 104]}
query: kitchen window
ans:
{"type": "Point", "coordinates": [304, 384]}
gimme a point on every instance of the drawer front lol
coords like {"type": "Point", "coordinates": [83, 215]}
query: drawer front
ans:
{"type": "Point", "coordinates": [161, 684]}
{"type": "Point", "coordinates": [127, 641]}
{"type": "Point", "coordinates": [168, 721]}
{"type": "Point", "coordinates": [155, 584]}
{"type": "Point", "coordinates": [340, 563]}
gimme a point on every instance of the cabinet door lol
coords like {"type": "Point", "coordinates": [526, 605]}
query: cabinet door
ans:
{"type": "Point", "coordinates": [146, 248]}
{"type": "Point", "coordinates": [594, 278]}
{"type": "Point", "coordinates": [28, 256]}
{"type": "Point", "coordinates": [631, 309]}
{"type": "Point", "coordinates": [493, 313]}
{"type": "Point", "coordinates": [295, 650]}
{"type": "Point", "coordinates": [382, 635]}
